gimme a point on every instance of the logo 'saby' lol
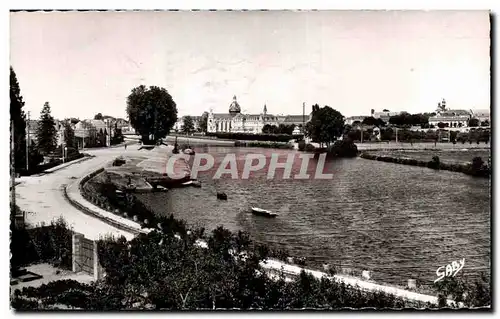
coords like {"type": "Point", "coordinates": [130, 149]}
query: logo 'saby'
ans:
{"type": "Point", "coordinates": [177, 166]}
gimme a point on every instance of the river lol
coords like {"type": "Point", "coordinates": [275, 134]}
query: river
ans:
{"type": "Point", "coordinates": [397, 221]}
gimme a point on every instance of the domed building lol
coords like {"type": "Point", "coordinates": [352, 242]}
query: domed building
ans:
{"type": "Point", "coordinates": [236, 122]}
{"type": "Point", "coordinates": [234, 108]}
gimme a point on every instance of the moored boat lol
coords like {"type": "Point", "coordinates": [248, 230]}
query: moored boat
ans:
{"type": "Point", "coordinates": [263, 212]}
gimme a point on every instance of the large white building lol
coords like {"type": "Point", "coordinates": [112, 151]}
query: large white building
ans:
{"type": "Point", "coordinates": [236, 122]}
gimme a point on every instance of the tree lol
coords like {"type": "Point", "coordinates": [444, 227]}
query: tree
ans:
{"type": "Point", "coordinates": [188, 125]}
{"type": "Point", "coordinates": [473, 122]}
{"type": "Point", "coordinates": [46, 132]}
{"type": "Point", "coordinates": [485, 123]}
{"type": "Point", "coordinates": [385, 110]}
{"type": "Point", "coordinates": [117, 136]}
{"type": "Point", "coordinates": [98, 116]}
{"type": "Point", "coordinates": [325, 125]}
{"type": "Point", "coordinates": [69, 134]}
{"type": "Point", "coordinates": [204, 122]}
{"type": "Point", "coordinates": [101, 138]}
{"type": "Point", "coordinates": [18, 117]}
{"type": "Point", "coordinates": [370, 121]}
{"type": "Point", "coordinates": [441, 125]}
{"type": "Point", "coordinates": [152, 112]}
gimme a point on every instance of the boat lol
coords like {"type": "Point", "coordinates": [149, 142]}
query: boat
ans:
{"type": "Point", "coordinates": [263, 212]}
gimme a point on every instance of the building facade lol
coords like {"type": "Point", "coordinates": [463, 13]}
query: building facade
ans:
{"type": "Point", "coordinates": [236, 122]}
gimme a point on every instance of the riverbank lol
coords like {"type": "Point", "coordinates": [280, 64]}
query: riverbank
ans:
{"type": "Point", "coordinates": [475, 168]}
{"type": "Point", "coordinates": [179, 229]}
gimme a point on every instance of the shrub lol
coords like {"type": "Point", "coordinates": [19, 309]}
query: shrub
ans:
{"type": "Point", "coordinates": [256, 137]}
{"type": "Point", "coordinates": [119, 161]}
{"type": "Point", "coordinates": [302, 145]}
{"type": "Point", "coordinates": [343, 148]}
{"type": "Point", "coordinates": [435, 163]}
{"type": "Point", "coordinates": [310, 148]}
{"type": "Point", "coordinates": [52, 243]}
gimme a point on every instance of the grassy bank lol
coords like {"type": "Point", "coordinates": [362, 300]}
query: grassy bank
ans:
{"type": "Point", "coordinates": [476, 168]}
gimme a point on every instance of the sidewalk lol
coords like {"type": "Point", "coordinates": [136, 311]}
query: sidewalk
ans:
{"type": "Point", "coordinates": [275, 265]}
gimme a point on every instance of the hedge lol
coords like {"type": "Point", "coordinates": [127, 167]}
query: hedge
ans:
{"type": "Point", "coordinates": [51, 243]}
{"type": "Point", "coordinates": [257, 137]}
{"type": "Point", "coordinates": [263, 144]}
{"type": "Point", "coordinates": [476, 168]}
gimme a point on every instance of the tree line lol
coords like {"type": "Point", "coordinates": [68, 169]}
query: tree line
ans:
{"type": "Point", "coordinates": [46, 143]}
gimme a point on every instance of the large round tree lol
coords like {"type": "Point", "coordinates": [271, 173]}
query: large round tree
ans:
{"type": "Point", "coordinates": [326, 125]}
{"type": "Point", "coordinates": [152, 112]}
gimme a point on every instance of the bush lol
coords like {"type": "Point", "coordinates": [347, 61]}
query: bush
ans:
{"type": "Point", "coordinates": [435, 162]}
{"type": "Point", "coordinates": [52, 243]}
{"type": "Point", "coordinates": [302, 145]}
{"type": "Point", "coordinates": [119, 161]}
{"type": "Point", "coordinates": [310, 148]}
{"type": "Point", "coordinates": [256, 137]}
{"type": "Point", "coordinates": [343, 148]}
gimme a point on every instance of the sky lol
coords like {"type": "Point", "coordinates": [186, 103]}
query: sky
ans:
{"type": "Point", "coordinates": [84, 63]}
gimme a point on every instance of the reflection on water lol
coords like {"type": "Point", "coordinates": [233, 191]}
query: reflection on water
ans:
{"type": "Point", "coordinates": [398, 221]}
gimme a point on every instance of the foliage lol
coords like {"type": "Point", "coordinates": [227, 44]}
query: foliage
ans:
{"type": "Point", "coordinates": [302, 145]}
{"type": "Point", "coordinates": [50, 243]}
{"type": "Point", "coordinates": [188, 125]}
{"type": "Point", "coordinates": [355, 134]}
{"type": "Point", "coordinates": [309, 147]}
{"type": "Point", "coordinates": [343, 148]}
{"type": "Point", "coordinates": [69, 134]}
{"type": "Point", "coordinates": [17, 118]}
{"type": "Point", "coordinates": [325, 126]}
{"type": "Point", "coordinates": [151, 111]}
{"type": "Point", "coordinates": [203, 122]}
{"type": "Point", "coordinates": [46, 132]}
{"type": "Point", "coordinates": [117, 136]}
{"type": "Point", "coordinates": [477, 168]}
{"type": "Point", "coordinates": [281, 129]}
{"type": "Point", "coordinates": [407, 119]}
{"type": "Point", "coordinates": [98, 116]}
{"type": "Point", "coordinates": [371, 121]}
{"type": "Point", "coordinates": [477, 294]}
{"type": "Point", "coordinates": [159, 271]}
{"type": "Point", "coordinates": [485, 123]}
{"type": "Point", "coordinates": [473, 122]}
{"type": "Point", "coordinates": [255, 137]}
{"type": "Point", "coordinates": [278, 145]}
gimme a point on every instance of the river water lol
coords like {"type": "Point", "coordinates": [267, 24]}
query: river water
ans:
{"type": "Point", "coordinates": [397, 221]}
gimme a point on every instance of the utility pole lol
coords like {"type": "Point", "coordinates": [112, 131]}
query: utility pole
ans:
{"type": "Point", "coordinates": [361, 133]}
{"type": "Point", "coordinates": [396, 134]}
{"type": "Point", "coordinates": [27, 141]}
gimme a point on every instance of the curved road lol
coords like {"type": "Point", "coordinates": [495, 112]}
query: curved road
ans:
{"type": "Point", "coordinates": [43, 200]}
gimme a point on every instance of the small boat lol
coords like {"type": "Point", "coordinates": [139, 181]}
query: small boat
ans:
{"type": "Point", "coordinates": [222, 196]}
{"type": "Point", "coordinates": [263, 212]}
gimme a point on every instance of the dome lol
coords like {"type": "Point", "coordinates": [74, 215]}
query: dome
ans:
{"type": "Point", "coordinates": [234, 108]}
